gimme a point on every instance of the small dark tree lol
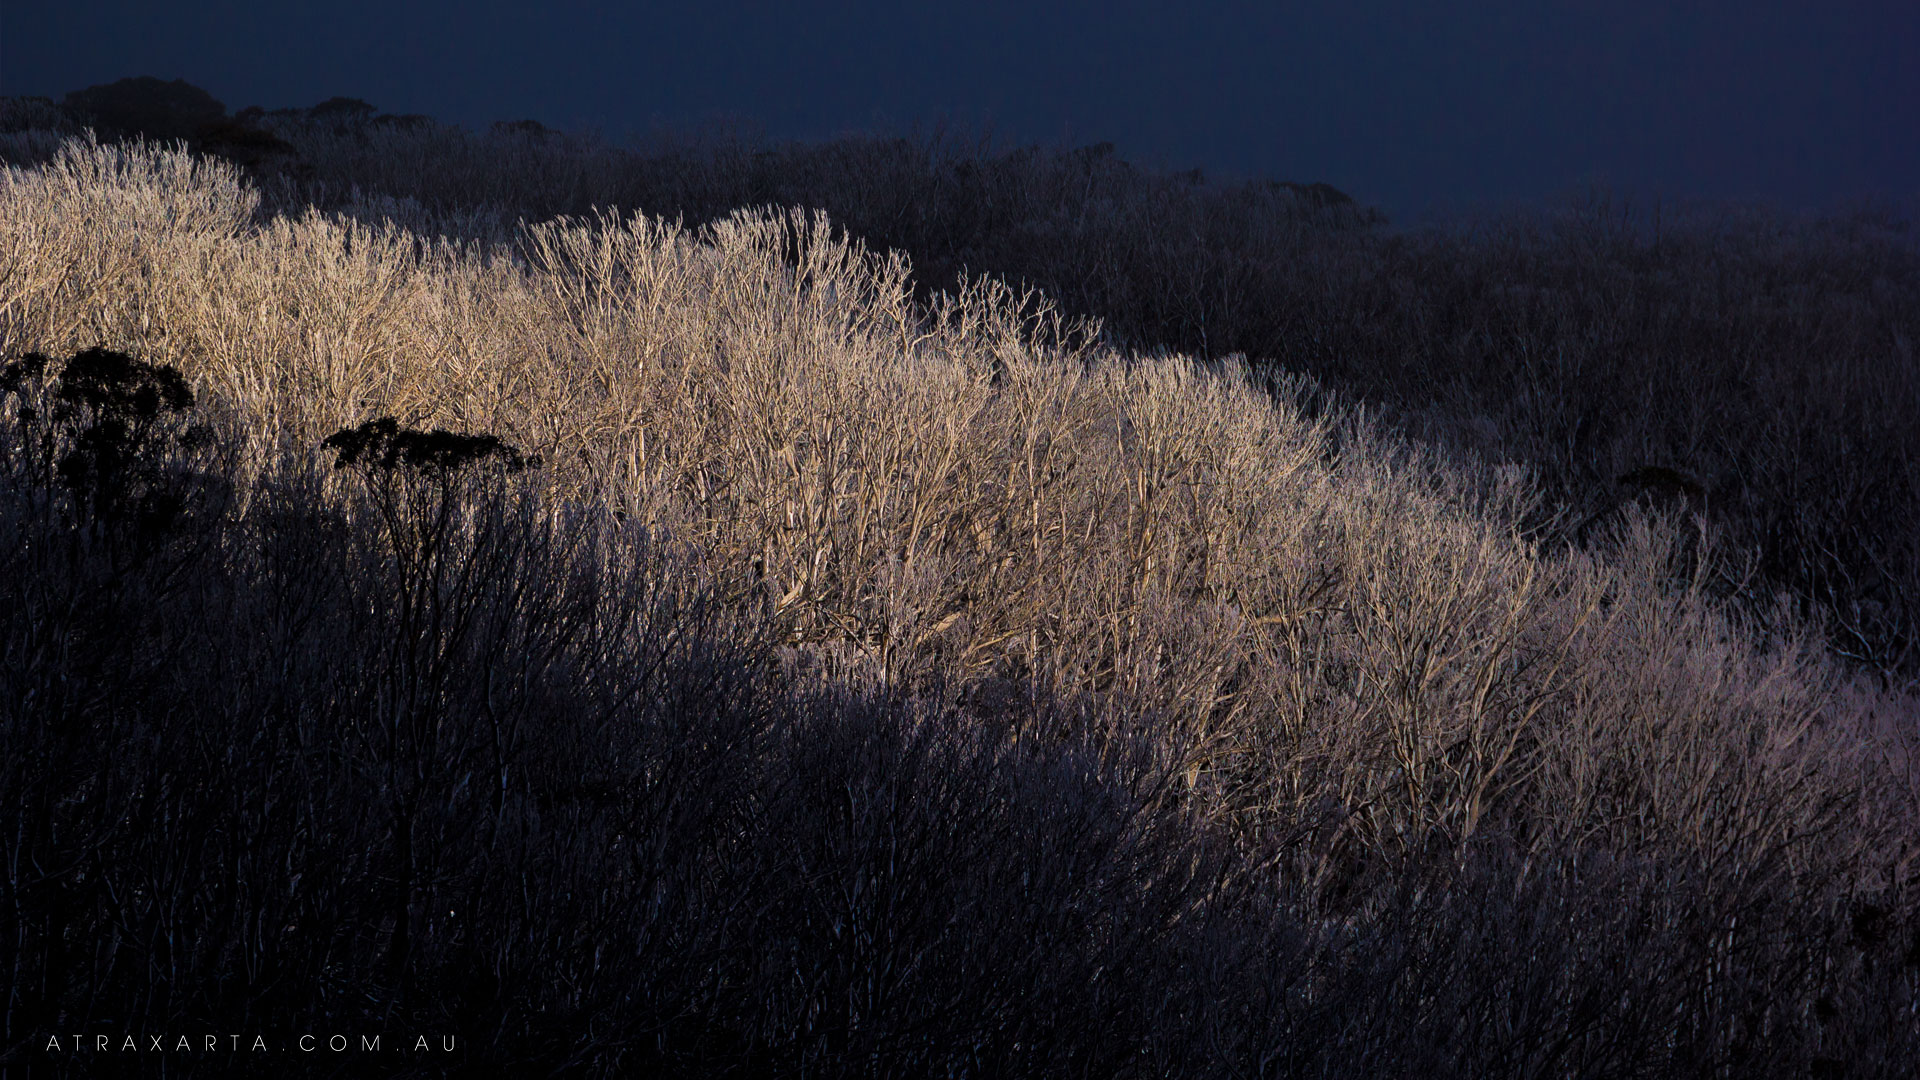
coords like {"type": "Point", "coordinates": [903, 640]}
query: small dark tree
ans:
{"type": "Point", "coordinates": [146, 106]}
{"type": "Point", "coordinates": [419, 481]}
{"type": "Point", "coordinates": [383, 445]}
{"type": "Point", "coordinates": [108, 431]}
{"type": "Point", "coordinates": [403, 122]}
{"type": "Point", "coordinates": [531, 129]}
{"type": "Point", "coordinates": [246, 145]}
{"type": "Point", "coordinates": [425, 487]}
{"type": "Point", "coordinates": [344, 113]}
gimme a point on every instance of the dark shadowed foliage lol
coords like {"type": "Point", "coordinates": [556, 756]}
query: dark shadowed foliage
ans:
{"type": "Point", "coordinates": [383, 445]}
{"type": "Point", "coordinates": [435, 754]}
{"type": "Point", "coordinates": [114, 433]}
{"type": "Point", "coordinates": [342, 110]}
{"type": "Point", "coordinates": [146, 106]}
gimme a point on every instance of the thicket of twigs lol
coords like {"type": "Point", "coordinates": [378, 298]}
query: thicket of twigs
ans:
{"type": "Point", "coordinates": [864, 680]}
{"type": "Point", "coordinates": [1762, 364]}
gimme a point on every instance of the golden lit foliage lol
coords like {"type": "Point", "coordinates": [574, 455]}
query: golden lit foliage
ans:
{"type": "Point", "coordinates": [976, 504]}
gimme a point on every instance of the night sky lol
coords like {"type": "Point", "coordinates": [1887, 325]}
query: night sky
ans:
{"type": "Point", "coordinates": [1414, 106]}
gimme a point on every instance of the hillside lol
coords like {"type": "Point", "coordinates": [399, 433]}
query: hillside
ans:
{"type": "Point", "coordinates": [836, 669]}
{"type": "Point", "coordinates": [1762, 363]}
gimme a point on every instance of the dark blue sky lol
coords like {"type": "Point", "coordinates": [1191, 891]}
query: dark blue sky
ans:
{"type": "Point", "coordinates": [1404, 103]}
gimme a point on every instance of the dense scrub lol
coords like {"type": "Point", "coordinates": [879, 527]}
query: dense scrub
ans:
{"type": "Point", "coordinates": [863, 685]}
{"type": "Point", "coordinates": [1764, 361]}
{"type": "Point", "coordinates": [1760, 365]}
